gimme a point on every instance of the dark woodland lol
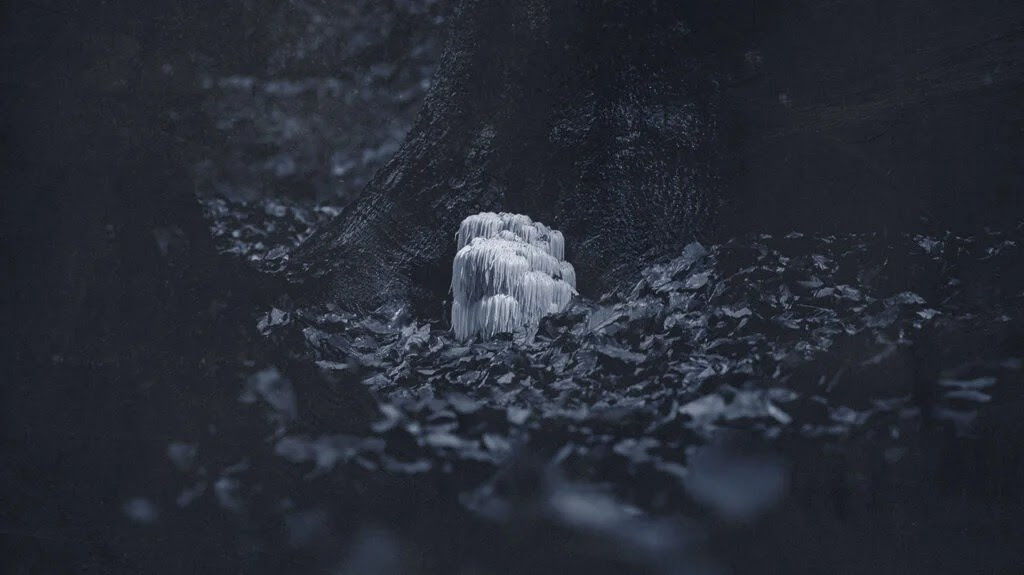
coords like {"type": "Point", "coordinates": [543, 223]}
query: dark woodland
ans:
{"type": "Point", "coordinates": [228, 232]}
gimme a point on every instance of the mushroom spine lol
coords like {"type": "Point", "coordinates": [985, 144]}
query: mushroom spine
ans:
{"type": "Point", "coordinates": [508, 273]}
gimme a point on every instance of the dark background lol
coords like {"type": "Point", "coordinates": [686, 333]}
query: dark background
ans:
{"type": "Point", "coordinates": [862, 115]}
{"type": "Point", "coordinates": [118, 312]}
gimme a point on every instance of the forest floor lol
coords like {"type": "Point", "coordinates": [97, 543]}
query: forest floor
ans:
{"type": "Point", "coordinates": [803, 403]}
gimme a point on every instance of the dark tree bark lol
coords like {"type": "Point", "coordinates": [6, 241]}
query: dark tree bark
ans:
{"type": "Point", "coordinates": [611, 121]}
{"type": "Point", "coordinates": [595, 118]}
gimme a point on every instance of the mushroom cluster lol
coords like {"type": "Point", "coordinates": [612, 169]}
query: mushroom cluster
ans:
{"type": "Point", "coordinates": [509, 272]}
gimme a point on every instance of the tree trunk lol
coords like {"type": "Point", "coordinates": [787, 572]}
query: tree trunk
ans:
{"type": "Point", "coordinates": [611, 121]}
{"type": "Point", "coordinates": [595, 118]}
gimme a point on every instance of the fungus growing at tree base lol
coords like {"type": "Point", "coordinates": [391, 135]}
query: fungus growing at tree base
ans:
{"type": "Point", "coordinates": [508, 273]}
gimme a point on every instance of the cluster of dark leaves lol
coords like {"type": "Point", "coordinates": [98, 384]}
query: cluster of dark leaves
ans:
{"type": "Point", "coordinates": [681, 397]}
{"type": "Point", "coordinates": [793, 335]}
{"type": "Point", "coordinates": [263, 232]}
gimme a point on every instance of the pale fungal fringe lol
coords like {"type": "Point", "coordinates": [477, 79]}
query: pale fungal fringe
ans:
{"type": "Point", "coordinates": [556, 245]}
{"type": "Point", "coordinates": [520, 225]}
{"type": "Point", "coordinates": [487, 267]}
{"type": "Point", "coordinates": [488, 317]}
{"type": "Point", "coordinates": [568, 273]}
{"type": "Point", "coordinates": [528, 233]}
{"type": "Point", "coordinates": [499, 314]}
{"type": "Point", "coordinates": [461, 324]}
{"type": "Point", "coordinates": [490, 225]}
{"type": "Point", "coordinates": [492, 265]}
{"type": "Point", "coordinates": [539, 294]}
{"type": "Point", "coordinates": [482, 225]}
{"type": "Point", "coordinates": [539, 260]}
{"type": "Point", "coordinates": [535, 295]}
{"type": "Point", "coordinates": [561, 295]}
{"type": "Point", "coordinates": [507, 274]}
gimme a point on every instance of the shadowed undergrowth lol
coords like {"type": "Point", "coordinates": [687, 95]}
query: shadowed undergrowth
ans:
{"type": "Point", "coordinates": [799, 396]}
